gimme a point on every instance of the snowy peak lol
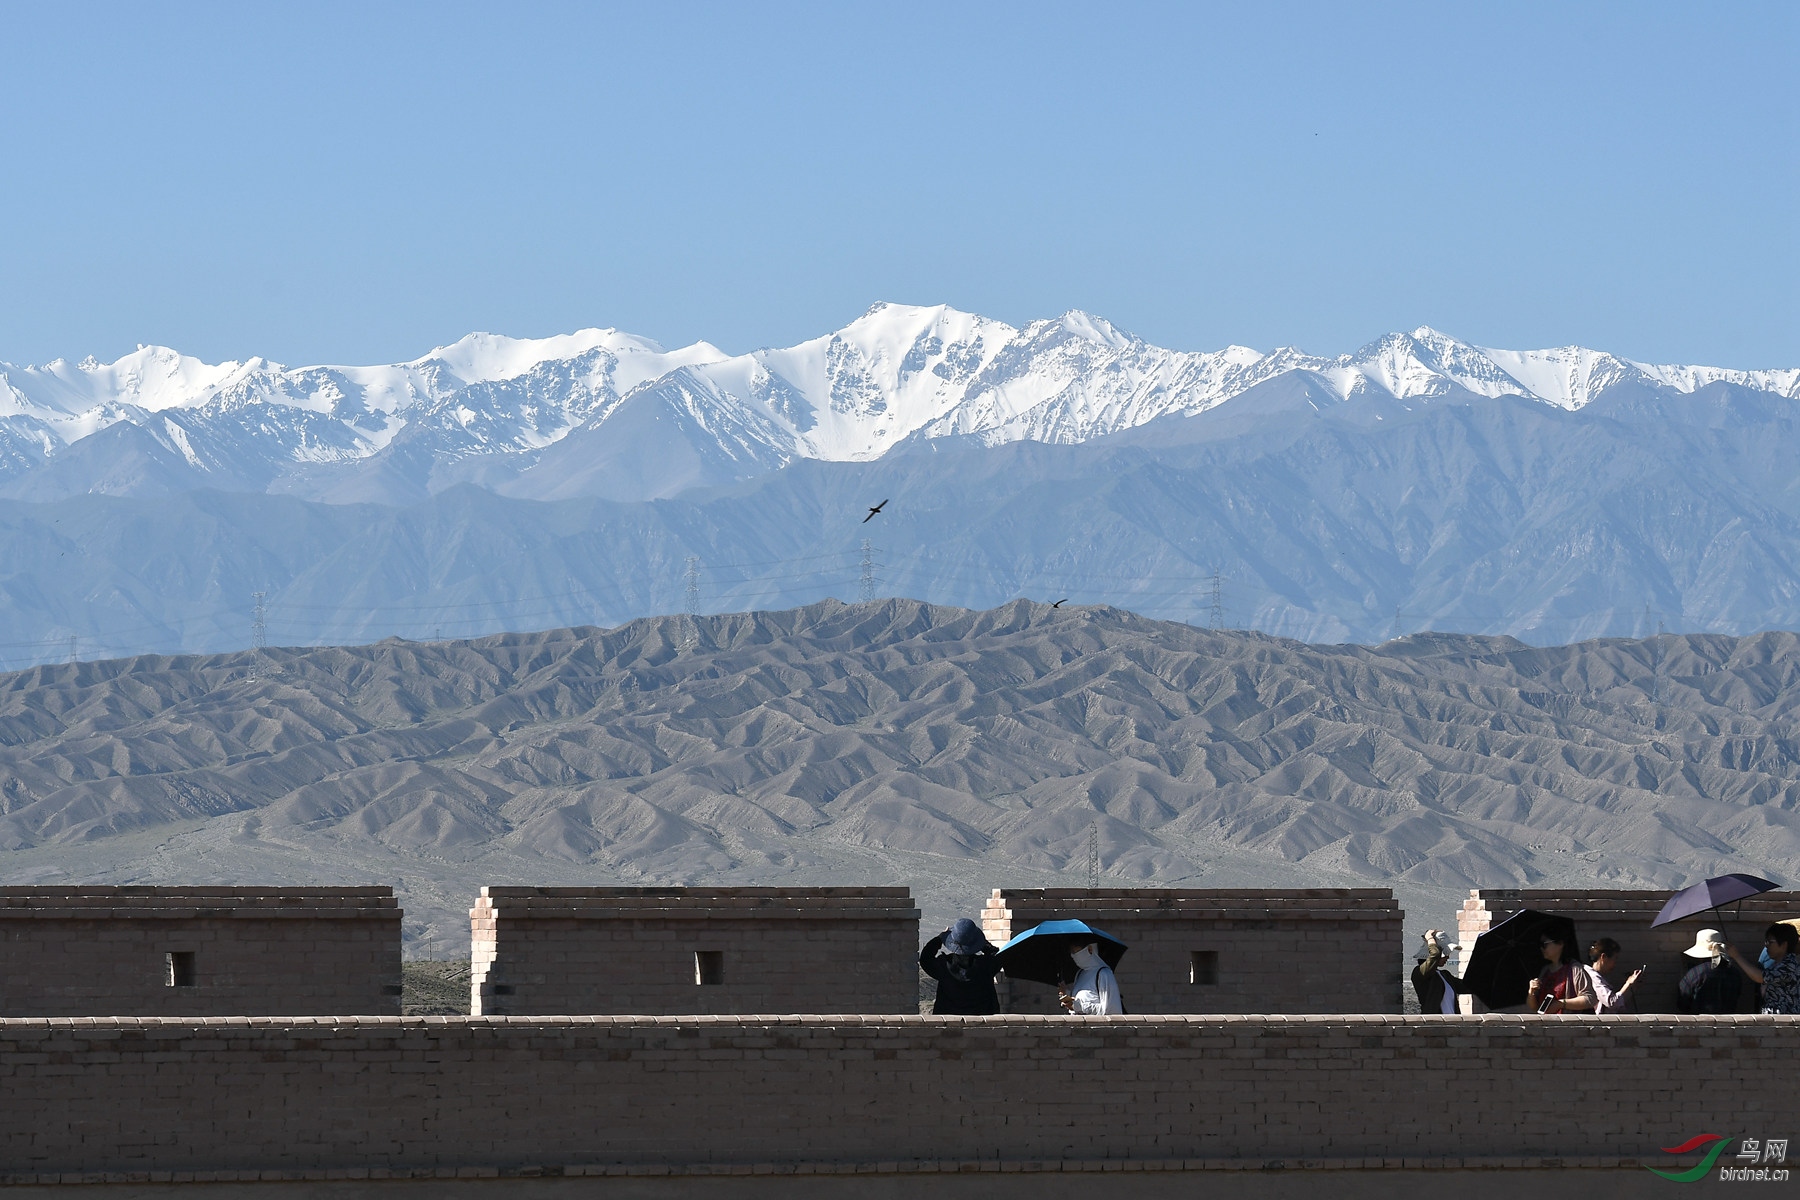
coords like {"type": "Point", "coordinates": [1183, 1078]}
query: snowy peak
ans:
{"type": "Point", "coordinates": [151, 378]}
{"type": "Point", "coordinates": [855, 393]}
{"type": "Point", "coordinates": [1426, 363]}
{"type": "Point", "coordinates": [488, 357]}
{"type": "Point", "coordinates": [896, 374]}
{"type": "Point", "coordinates": [1096, 329]}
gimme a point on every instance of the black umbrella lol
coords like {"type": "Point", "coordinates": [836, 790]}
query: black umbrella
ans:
{"type": "Point", "coordinates": [1507, 957]}
{"type": "Point", "coordinates": [1041, 953]}
{"type": "Point", "coordinates": [1704, 897]}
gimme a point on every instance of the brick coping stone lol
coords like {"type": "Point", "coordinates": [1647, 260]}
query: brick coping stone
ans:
{"type": "Point", "coordinates": [1299, 1023]}
{"type": "Point", "coordinates": [1484, 1024]}
{"type": "Point", "coordinates": [899, 1167]}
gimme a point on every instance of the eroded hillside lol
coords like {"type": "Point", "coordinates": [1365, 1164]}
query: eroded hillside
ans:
{"type": "Point", "coordinates": [814, 742]}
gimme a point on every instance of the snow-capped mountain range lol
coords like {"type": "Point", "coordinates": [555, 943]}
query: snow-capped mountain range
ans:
{"type": "Point", "coordinates": [600, 412]}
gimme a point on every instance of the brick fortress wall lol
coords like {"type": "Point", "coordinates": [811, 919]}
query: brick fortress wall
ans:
{"type": "Point", "coordinates": [1316, 950]}
{"type": "Point", "coordinates": [543, 951]}
{"type": "Point", "coordinates": [105, 951]}
{"type": "Point", "coordinates": [1625, 917]}
{"type": "Point", "coordinates": [528, 1094]}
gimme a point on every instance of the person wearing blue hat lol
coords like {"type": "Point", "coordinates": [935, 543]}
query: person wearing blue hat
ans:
{"type": "Point", "coordinates": [962, 961]}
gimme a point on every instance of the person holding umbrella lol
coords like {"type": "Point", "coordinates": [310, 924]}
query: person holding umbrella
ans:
{"type": "Point", "coordinates": [1094, 992]}
{"type": "Point", "coordinates": [1781, 979]}
{"type": "Point", "coordinates": [1563, 985]}
{"type": "Point", "coordinates": [1074, 958]}
{"type": "Point", "coordinates": [962, 961]}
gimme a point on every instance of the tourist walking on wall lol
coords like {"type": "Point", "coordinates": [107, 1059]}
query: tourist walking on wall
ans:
{"type": "Point", "coordinates": [962, 961]}
{"type": "Point", "coordinates": [1437, 988]}
{"type": "Point", "coordinates": [1603, 959]}
{"type": "Point", "coordinates": [1712, 986]}
{"type": "Point", "coordinates": [1563, 985]}
{"type": "Point", "coordinates": [1094, 992]}
{"type": "Point", "coordinates": [1781, 979]}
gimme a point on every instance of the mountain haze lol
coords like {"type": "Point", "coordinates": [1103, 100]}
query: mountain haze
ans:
{"type": "Point", "coordinates": [495, 484]}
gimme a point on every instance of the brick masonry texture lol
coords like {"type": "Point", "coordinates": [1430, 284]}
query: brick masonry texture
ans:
{"type": "Point", "coordinates": [1317, 950]}
{"type": "Point", "coordinates": [546, 951]}
{"type": "Point", "coordinates": [94, 951]}
{"type": "Point", "coordinates": [303, 1094]}
{"type": "Point", "coordinates": [1625, 917]}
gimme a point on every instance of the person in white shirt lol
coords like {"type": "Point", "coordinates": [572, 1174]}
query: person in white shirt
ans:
{"type": "Point", "coordinates": [1603, 957]}
{"type": "Point", "coordinates": [1094, 992]}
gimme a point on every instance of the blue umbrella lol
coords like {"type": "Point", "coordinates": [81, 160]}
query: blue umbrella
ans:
{"type": "Point", "coordinates": [1041, 953]}
{"type": "Point", "coordinates": [1704, 897]}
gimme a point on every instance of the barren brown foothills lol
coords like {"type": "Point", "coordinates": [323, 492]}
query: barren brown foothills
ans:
{"type": "Point", "coordinates": [895, 741]}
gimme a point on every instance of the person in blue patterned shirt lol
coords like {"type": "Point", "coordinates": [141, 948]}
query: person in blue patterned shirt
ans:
{"type": "Point", "coordinates": [1781, 981]}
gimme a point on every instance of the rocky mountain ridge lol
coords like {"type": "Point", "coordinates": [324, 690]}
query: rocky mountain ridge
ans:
{"type": "Point", "coordinates": [607, 414]}
{"type": "Point", "coordinates": [901, 741]}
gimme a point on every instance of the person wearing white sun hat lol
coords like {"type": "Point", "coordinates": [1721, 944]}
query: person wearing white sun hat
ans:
{"type": "Point", "coordinates": [1711, 986]}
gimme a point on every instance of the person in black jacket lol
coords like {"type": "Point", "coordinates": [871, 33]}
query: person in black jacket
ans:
{"type": "Point", "coordinates": [963, 963]}
{"type": "Point", "coordinates": [1714, 985]}
{"type": "Point", "coordinates": [1437, 988]}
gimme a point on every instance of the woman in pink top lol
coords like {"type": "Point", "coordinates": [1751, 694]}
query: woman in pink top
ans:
{"type": "Point", "coordinates": [1563, 985]}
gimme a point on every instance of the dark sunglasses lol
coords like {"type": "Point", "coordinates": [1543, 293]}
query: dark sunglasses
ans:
{"type": "Point", "coordinates": [1542, 942]}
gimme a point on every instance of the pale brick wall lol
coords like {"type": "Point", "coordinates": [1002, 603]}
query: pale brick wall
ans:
{"type": "Point", "coordinates": [1315, 950]}
{"type": "Point", "coordinates": [395, 1093]}
{"type": "Point", "coordinates": [102, 951]}
{"type": "Point", "coordinates": [550, 951]}
{"type": "Point", "coordinates": [1625, 917]}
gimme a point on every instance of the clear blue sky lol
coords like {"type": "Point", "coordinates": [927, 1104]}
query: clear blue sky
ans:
{"type": "Point", "coordinates": [359, 183]}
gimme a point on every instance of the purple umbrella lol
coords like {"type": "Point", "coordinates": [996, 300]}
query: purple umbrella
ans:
{"type": "Point", "coordinates": [1704, 897]}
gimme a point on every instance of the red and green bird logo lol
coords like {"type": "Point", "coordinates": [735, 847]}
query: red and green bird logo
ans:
{"type": "Point", "coordinates": [1719, 1142]}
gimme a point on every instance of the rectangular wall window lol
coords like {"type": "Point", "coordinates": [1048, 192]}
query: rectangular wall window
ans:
{"type": "Point", "coordinates": [709, 966]}
{"type": "Point", "coordinates": [1203, 967]}
{"type": "Point", "coordinates": [180, 964]}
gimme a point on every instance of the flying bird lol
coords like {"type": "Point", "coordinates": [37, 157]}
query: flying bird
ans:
{"type": "Point", "coordinates": [1060, 603]}
{"type": "Point", "coordinates": [873, 511]}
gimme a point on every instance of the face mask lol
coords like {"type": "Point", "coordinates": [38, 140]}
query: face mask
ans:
{"type": "Point", "coordinates": [1087, 959]}
{"type": "Point", "coordinates": [1763, 960]}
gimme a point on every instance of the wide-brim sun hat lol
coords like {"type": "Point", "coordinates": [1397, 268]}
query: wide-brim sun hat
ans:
{"type": "Point", "coordinates": [1424, 952]}
{"type": "Point", "coordinates": [1708, 943]}
{"type": "Point", "coordinates": [965, 937]}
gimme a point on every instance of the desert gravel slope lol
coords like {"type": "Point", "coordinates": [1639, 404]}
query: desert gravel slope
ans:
{"type": "Point", "coordinates": [899, 740]}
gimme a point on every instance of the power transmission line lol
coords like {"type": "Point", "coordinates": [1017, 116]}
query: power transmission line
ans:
{"type": "Point", "coordinates": [868, 570]}
{"type": "Point", "coordinates": [1218, 602]}
{"type": "Point", "coordinates": [690, 627]}
{"type": "Point", "coordinates": [1093, 855]}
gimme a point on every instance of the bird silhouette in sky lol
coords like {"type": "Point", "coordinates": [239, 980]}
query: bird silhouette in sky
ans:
{"type": "Point", "coordinates": [1060, 603]}
{"type": "Point", "coordinates": [873, 511]}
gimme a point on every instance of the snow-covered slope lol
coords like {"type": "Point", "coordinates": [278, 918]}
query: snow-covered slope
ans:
{"type": "Point", "coordinates": [490, 408]}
